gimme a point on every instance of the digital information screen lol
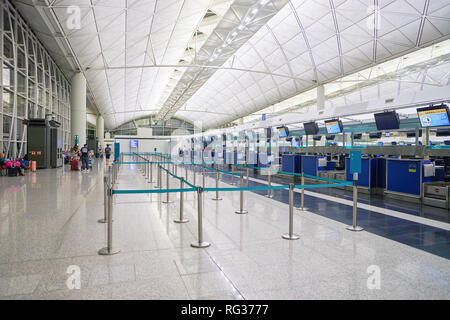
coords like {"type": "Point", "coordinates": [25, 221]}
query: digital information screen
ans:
{"type": "Point", "coordinates": [282, 132]}
{"type": "Point", "coordinates": [333, 126]}
{"type": "Point", "coordinates": [295, 143]}
{"type": "Point", "coordinates": [134, 143]}
{"type": "Point", "coordinates": [434, 116]}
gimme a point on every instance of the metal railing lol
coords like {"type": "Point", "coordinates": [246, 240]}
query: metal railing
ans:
{"type": "Point", "coordinates": [145, 165]}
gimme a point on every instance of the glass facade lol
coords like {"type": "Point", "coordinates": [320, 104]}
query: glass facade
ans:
{"type": "Point", "coordinates": [32, 85]}
{"type": "Point", "coordinates": [170, 127]}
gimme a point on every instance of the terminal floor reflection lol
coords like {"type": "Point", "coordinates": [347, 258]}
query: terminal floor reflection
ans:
{"type": "Point", "coordinates": [48, 224]}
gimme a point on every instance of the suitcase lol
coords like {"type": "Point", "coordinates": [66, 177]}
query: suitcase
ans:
{"type": "Point", "coordinates": [13, 172]}
{"type": "Point", "coordinates": [74, 165]}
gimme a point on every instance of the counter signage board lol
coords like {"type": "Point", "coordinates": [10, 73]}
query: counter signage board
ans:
{"type": "Point", "coordinates": [355, 161]}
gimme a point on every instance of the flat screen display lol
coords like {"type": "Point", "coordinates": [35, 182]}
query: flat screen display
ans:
{"type": "Point", "coordinates": [134, 143]}
{"type": "Point", "coordinates": [295, 142]}
{"type": "Point", "coordinates": [436, 116]}
{"type": "Point", "coordinates": [311, 128]}
{"type": "Point", "coordinates": [357, 136]}
{"type": "Point", "coordinates": [283, 132]}
{"type": "Point", "coordinates": [375, 135]}
{"type": "Point", "coordinates": [387, 120]}
{"type": "Point", "coordinates": [334, 126]}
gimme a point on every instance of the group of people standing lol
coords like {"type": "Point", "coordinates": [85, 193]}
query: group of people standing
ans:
{"type": "Point", "coordinates": [85, 154]}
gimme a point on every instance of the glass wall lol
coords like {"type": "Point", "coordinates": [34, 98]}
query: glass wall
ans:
{"type": "Point", "coordinates": [31, 84]}
{"type": "Point", "coordinates": [170, 127]}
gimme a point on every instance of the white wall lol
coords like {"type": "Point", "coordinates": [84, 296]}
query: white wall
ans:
{"type": "Point", "coordinates": [144, 145]}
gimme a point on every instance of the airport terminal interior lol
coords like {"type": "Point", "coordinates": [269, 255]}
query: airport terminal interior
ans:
{"type": "Point", "coordinates": [225, 149]}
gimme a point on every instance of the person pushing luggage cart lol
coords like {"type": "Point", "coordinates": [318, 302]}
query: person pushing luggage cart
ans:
{"type": "Point", "coordinates": [84, 158]}
{"type": "Point", "coordinates": [107, 153]}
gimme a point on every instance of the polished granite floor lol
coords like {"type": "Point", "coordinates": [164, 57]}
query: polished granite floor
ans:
{"type": "Point", "coordinates": [48, 225]}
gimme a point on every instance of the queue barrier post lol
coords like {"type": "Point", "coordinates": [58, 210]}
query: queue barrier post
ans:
{"type": "Point", "coordinates": [291, 235]}
{"type": "Point", "coordinates": [105, 201]}
{"type": "Point", "coordinates": [241, 198]}
{"type": "Point", "coordinates": [354, 226]}
{"type": "Point", "coordinates": [181, 219]}
{"type": "Point", "coordinates": [200, 243]}
{"type": "Point", "coordinates": [167, 187]}
{"type": "Point", "coordinates": [217, 198]}
{"type": "Point", "coordinates": [302, 199]}
{"type": "Point", "coordinates": [269, 184]}
{"type": "Point", "coordinates": [109, 250]}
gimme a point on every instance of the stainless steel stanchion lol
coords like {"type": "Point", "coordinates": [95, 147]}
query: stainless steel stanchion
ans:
{"type": "Point", "coordinates": [167, 187]}
{"type": "Point", "coordinates": [181, 219]}
{"type": "Point", "coordinates": [291, 235]}
{"type": "Point", "coordinates": [158, 178]}
{"type": "Point", "coordinates": [200, 243]}
{"type": "Point", "coordinates": [185, 172]}
{"type": "Point", "coordinates": [269, 184]}
{"type": "Point", "coordinates": [217, 186]}
{"type": "Point", "coordinates": [108, 250]}
{"type": "Point", "coordinates": [203, 173]}
{"type": "Point", "coordinates": [232, 176]}
{"type": "Point", "coordinates": [247, 176]}
{"type": "Point", "coordinates": [302, 199]}
{"type": "Point", "coordinates": [193, 169]}
{"type": "Point", "coordinates": [105, 201]}
{"type": "Point", "coordinates": [354, 227]}
{"type": "Point", "coordinates": [241, 198]}
{"type": "Point", "coordinates": [150, 180]}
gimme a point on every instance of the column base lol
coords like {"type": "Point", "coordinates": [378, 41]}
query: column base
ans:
{"type": "Point", "coordinates": [203, 244]}
{"type": "Point", "coordinates": [269, 196]}
{"type": "Point", "coordinates": [217, 199]}
{"type": "Point", "coordinates": [105, 252]}
{"type": "Point", "coordinates": [241, 211]}
{"type": "Point", "coordinates": [170, 201]}
{"type": "Point", "coordinates": [288, 236]}
{"type": "Point", "coordinates": [181, 220]}
{"type": "Point", "coordinates": [357, 228]}
{"type": "Point", "coordinates": [300, 209]}
{"type": "Point", "coordinates": [102, 221]}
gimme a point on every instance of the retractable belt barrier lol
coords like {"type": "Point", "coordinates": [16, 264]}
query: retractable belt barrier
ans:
{"type": "Point", "coordinates": [146, 167]}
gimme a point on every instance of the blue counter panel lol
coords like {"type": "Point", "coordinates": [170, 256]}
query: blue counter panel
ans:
{"type": "Point", "coordinates": [309, 164]}
{"type": "Point", "coordinates": [367, 175]}
{"type": "Point", "coordinates": [404, 176]}
{"type": "Point", "coordinates": [291, 163]}
{"type": "Point", "coordinates": [381, 173]}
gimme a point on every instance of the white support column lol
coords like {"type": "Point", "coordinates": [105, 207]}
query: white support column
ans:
{"type": "Point", "coordinates": [320, 98]}
{"type": "Point", "coordinates": [101, 131]}
{"type": "Point", "coordinates": [78, 109]}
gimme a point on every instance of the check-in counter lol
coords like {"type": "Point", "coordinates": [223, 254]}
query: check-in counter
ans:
{"type": "Point", "coordinates": [291, 163]}
{"type": "Point", "coordinates": [405, 178]}
{"type": "Point", "coordinates": [367, 177]}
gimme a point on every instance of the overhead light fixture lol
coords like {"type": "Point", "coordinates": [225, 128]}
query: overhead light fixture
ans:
{"type": "Point", "coordinates": [247, 20]}
{"type": "Point", "coordinates": [241, 27]}
{"type": "Point", "coordinates": [234, 34]}
{"type": "Point", "coordinates": [254, 11]}
{"type": "Point", "coordinates": [263, 2]}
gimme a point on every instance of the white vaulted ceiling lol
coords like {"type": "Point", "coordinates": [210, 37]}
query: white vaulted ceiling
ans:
{"type": "Point", "coordinates": [124, 33]}
{"type": "Point", "coordinates": [134, 52]}
{"type": "Point", "coordinates": [316, 41]}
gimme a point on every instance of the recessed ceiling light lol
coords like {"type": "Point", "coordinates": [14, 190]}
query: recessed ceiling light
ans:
{"type": "Point", "coordinates": [234, 34]}
{"type": "Point", "coordinates": [241, 27]}
{"type": "Point", "coordinates": [255, 10]}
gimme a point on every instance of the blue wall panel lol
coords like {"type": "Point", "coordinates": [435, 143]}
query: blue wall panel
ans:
{"type": "Point", "coordinates": [403, 176]}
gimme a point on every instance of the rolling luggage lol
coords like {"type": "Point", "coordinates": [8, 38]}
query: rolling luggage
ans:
{"type": "Point", "coordinates": [13, 172]}
{"type": "Point", "coordinates": [74, 165]}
